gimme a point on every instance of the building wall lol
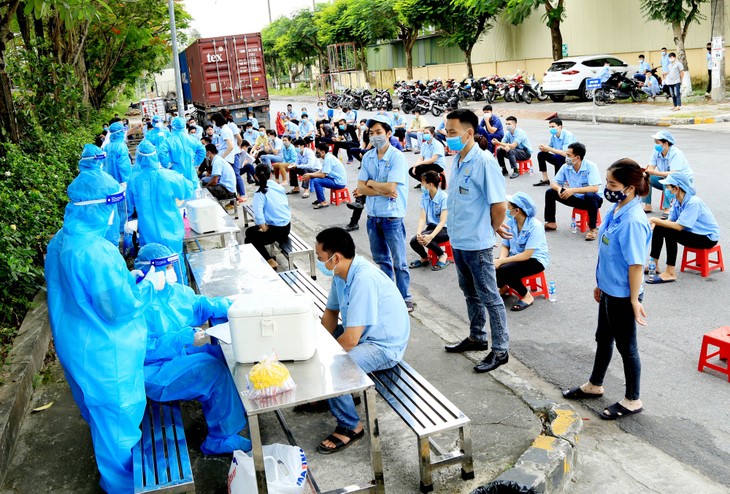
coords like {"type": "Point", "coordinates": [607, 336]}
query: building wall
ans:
{"type": "Point", "coordinates": [590, 27]}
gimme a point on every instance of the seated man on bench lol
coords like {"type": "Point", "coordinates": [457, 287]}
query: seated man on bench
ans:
{"type": "Point", "coordinates": [180, 363]}
{"type": "Point", "coordinates": [375, 325]}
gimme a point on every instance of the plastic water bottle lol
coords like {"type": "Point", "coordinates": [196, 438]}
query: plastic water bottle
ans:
{"type": "Point", "coordinates": [652, 268]}
{"type": "Point", "coordinates": [552, 292]}
{"type": "Point", "coordinates": [532, 170]}
{"type": "Point", "coordinates": [573, 226]}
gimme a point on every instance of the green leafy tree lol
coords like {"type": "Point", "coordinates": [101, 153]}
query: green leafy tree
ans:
{"type": "Point", "coordinates": [516, 11]}
{"type": "Point", "coordinates": [411, 16]}
{"type": "Point", "coordinates": [276, 61]}
{"type": "Point", "coordinates": [677, 13]}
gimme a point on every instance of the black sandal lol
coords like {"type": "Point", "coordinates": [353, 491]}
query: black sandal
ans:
{"type": "Point", "coordinates": [339, 445]}
{"type": "Point", "coordinates": [578, 394]}
{"type": "Point", "coordinates": [617, 411]}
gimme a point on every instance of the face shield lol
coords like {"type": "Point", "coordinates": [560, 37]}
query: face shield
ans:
{"type": "Point", "coordinates": [118, 199]}
{"type": "Point", "coordinates": [170, 265]}
{"type": "Point", "coordinates": [95, 162]}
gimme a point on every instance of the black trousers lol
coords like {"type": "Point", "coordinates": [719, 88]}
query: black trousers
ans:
{"type": "Point", "coordinates": [672, 237]}
{"type": "Point", "coordinates": [346, 145]}
{"type": "Point", "coordinates": [357, 213]}
{"type": "Point", "coordinates": [709, 80]}
{"type": "Point", "coordinates": [543, 157]}
{"type": "Point", "coordinates": [419, 170]}
{"type": "Point", "coordinates": [514, 155]}
{"type": "Point", "coordinates": [591, 202]}
{"type": "Point", "coordinates": [261, 239]}
{"type": "Point", "coordinates": [511, 274]}
{"type": "Point", "coordinates": [441, 237]}
{"type": "Point", "coordinates": [400, 134]}
{"type": "Point", "coordinates": [220, 192]}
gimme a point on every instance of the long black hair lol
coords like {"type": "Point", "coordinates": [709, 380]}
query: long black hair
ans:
{"type": "Point", "coordinates": [263, 174]}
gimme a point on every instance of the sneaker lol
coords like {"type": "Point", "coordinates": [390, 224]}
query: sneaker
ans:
{"type": "Point", "coordinates": [411, 305]}
{"type": "Point", "coordinates": [504, 172]}
{"type": "Point", "coordinates": [515, 175]}
{"type": "Point", "coordinates": [417, 151]}
{"type": "Point", "coordinates": [352, 228]}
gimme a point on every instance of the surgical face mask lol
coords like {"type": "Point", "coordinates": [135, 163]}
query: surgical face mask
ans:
{"type": "Point", "coordinates": [568, 160]}
{"type": "Point", "coordinates": [159, 125]}
{"type": "Point", "coordinates": [427, 137]}
{"type": "Point", "coordinates": [672, 59]}
{"type": "Point", "coordinates": [553, 130]}
{"type": "Point", "coordinates": [455, 143]}
{"type": "Point", "coordinates": [395, 113]}
{"type": "Point", "coordinates": [111, 219]}
{"type": "Point", "coordinates": [663, 53]}
{"type": "Point", "coordinates": [378, 142]}
{"type": "Point", "coordinates": [262, 134]}
{"type": "Point", "coordinates": [363, 127]}
{"type": "Point", "coordinates": [424, 190]}
{"type": "Point", "coordinates": [287, 144]}
{"type": "Point", "coordinates": [512, 212]}
{"type": "Point", "coordinates": [304, 119]}
{"type": "Point", "coordinates": [614, 195]}
{"type": "Point", "coordinates": [170, 276]}
{"type": "Point", "coordinates": [658, 148]}
{"type": "Point", "coordinates": [323, 268]}
{"type": "Point", "coordinates": [509, 127]}
{"type": "Point", "coordinates": [342, 127]}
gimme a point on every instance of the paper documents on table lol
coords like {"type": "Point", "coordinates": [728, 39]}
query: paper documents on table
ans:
{"type": "Point", "coordinates": [220, 331]}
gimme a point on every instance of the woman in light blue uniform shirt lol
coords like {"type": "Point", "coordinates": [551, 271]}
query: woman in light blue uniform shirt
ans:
{"type": "Point", "coordinates": [665, 159]}
{"type": "Point", "coordinates": [271, 214]}
{"type": "Point", "coordinates": [690, 223]}
{"type": "Point", "coordinates": [623, 242]}
{"type": "Point", "coordinates": [525, 253]}
{"type": "Point", "coordinates": [432, 223]}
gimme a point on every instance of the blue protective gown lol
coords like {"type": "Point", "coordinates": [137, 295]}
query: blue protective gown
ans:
{"type": "Point", "coordinates": [176, 370]}
{"type": "Point", "coordinates": [119, 166]}
{"type": "Point", "coordinates": [158, 137]}
{"type": "Point", "coordinates": [88, 164]}
{"type": "Point", "coordinates": [95, 307]}
{"type": "Point", "coordinates": [152, 193]}
{"type": "Point", "coordinates": [185, 151]}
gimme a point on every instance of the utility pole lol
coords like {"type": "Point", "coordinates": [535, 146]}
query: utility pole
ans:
{"type": "Point", "coordinates": [176, 60]}
{"type": "Point", "coordinates": [718, 50]}
{"type": "Point", "coordinates": [268, 3]}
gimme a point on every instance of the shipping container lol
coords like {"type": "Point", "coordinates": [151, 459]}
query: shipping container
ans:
{"type": "Point", "coordinates": [229, 72]}
{"type": "Point", "coordinates": [185, 76]}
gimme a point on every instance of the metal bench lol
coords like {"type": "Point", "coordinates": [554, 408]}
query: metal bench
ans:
{"type": "Point", "coordinates": [247, 213]}
{"type": "Point", "coordinates": [160, 460]}
{"type": "Point", "coordinates": [427, 412]}
{"type": "Point", "coordinates": [225, 202]}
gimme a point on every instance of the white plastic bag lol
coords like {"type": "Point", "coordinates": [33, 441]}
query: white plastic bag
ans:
{"type": "Point", "coordinates": [286, 470]}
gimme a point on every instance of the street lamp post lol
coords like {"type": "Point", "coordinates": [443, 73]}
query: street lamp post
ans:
{"type": "Point", "coordinates": [176, 60]}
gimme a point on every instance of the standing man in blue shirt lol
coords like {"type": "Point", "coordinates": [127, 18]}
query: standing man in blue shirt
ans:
{"type": "Point", "coordinates": [477, 208]}
{"type": "Point", "coordinates": [515, 146]}
{"type": "Point", "coordinates": [576, 185]}
{"type": "Point", "coordinates": [490, 127]}
{"type": "Point", "coordinates": [375, 324]}
{"type": "Point", "coordinates": [555, 151]}
{"type": "Point", "coordinates": [709, 70]}
{"type": "Point", "coordinates": [383, 180]}
{"type": "Point", "coordinates": [664, 62]}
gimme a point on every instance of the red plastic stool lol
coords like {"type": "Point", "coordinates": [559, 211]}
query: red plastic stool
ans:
{"type": "Point", "coordinates": [537, 284]}
{"type": "Point", "coordinates": [701, 261]}
{"type": "Point", "coordinates": [446, 246]}
{"type": "Point", "coordinates": [524, 166]}
{"type": "Point", "coordinates": [331, 147]}
{"type": "Point", "coordinates": [581, 219]}
{"type": "Point", "coordinates": [719, 338]}
{"type": "Point", "coordinates": [338, 196]}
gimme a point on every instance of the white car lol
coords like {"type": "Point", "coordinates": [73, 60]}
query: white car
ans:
{"type": "Point", "coordinates": [567, 76]}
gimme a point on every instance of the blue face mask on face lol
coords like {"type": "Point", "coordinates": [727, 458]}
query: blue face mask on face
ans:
{"type": "Point", "coordinates": [658, 148]}
{"type": "Point", "coordinates": [323, 268]}
{"type": "Point", "coordinates": [455, 143]}
{"type": "Point", "coordinates": [553, 130]}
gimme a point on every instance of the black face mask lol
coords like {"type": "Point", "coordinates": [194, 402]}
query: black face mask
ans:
{"type": "Point", "coordinates": [614, 195]}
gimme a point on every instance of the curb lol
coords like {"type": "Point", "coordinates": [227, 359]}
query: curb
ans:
{"type": "Point", "coordinates": [547, 466]}
{"type": "Point", "coordinates": [653, 121]}
{"type": "Point", "coordinates": [25, 360]}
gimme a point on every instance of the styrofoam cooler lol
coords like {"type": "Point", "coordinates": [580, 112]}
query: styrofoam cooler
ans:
{"type": "Point", "coordinates": [262, 324]}
{"type": "Point", "coordinates": [203, 215]}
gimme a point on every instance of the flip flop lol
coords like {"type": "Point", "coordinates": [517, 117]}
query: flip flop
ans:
{"type": "Point", "coordinates": [320, 206]}
{"type": "Point", "coordinates": [578, 394]}
{"type": "Point", "coordinates": [418, 264]}
{"type": "Point", "coordinates": [339, 445]}
{"type": "Point", "coordinates": [617, 411]}
{"type": "Point", "coordinates": [657, 280]}
{"type": "Point", "coordinates": [520, 305]}
{"type": "Point", "coordinates": [292, 192]}
{"type": "Point", "coordinates": [440, 265]}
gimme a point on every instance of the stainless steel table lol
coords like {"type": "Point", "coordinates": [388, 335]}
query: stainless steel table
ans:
{"type": "Point", "coordinates": [329, 373]}
{"type": "Point", "coordinates": [228, 227]}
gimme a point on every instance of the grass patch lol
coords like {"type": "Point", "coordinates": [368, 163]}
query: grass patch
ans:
{"type": "Point", "coordinates": [299, 90]}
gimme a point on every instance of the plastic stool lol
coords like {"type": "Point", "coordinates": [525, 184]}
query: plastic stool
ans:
{"type": "Point", "coordinates": [719, 338]}
{"type": "Point", "coordinates": [537, 284]}
{"type": "Point", "coordinates": [524, 166]}
{"type": "Point", "coordinates": [701, 261]}
{"type": "Point", "coordinates": [581, 219]}
{"type": "Point", "coordinates": [446, 246]}
{"type": "Point", "coordinates": [338, 196]}
{"type": "Point", "coordinates": [331, 148]}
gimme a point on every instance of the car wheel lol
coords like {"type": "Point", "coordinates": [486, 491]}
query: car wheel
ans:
{"type": "Point", "coordinates": [557, 98]}
{"type": "Point", "coordinates": [585, 94]}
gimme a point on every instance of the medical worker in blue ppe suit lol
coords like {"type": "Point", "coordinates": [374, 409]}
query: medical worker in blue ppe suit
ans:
{"type": "Point", "coordinates": [185, 152]}
{"type": "Point", "coordinates": [158, 136]}
{"type": "Point", "coordinates": [153, 193]}
{"type": "Point", "coordinates": [96, 308]}
{"type": "Point", "coordinates": [180, 363]}
{"type": "Point", "coordinates": [92, 161]}
{"type": "Point", "coordinates": [118, 164]}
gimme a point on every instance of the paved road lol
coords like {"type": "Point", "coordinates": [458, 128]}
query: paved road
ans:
{"type": "Point", "coordinates": [686, 412]}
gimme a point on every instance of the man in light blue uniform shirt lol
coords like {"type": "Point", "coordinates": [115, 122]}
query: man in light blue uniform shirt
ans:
{"type": "Point", "coordinates": [332, 175]}
{"type": "Point", "coordinates": [375, 324]}
{"type": "Point", "coordinates": [383, 180]}
{"type": "Point", "coordinates": [222, 182]}
{"type": "Point", "coordinates": [249, 134]}
{"type": "Point", "coordinates": [306, 162]}
{"type": "Point", "coordinates": [432, 156]}
{"type": "Point", "coordinates": [515, 146]}
{"type": "Point", "coordinates": [306, 129]}
{"type": "Point", "coordinates": [399, 125]}
{"type": "Point", "coordinates": [651, 85]}
{"type": "Point", "coordinates": [553, 153]}
{"type": "Point", "coordinates": [641, 71]}
{"type": "Point", "coordinates": [291, 129]}
{"type": "Point", "coordinates": [664, 62]}
{"type": "Point", "coordinates": [576, 185]}
{"type": "Point", "coordinates": [290, 113]}
{"type": "Point", "coordinates": [605, 73]}
{"type": "Point", "coordinates": [665, 159]}
{"type": "Point", "coordinates": [477, 208]}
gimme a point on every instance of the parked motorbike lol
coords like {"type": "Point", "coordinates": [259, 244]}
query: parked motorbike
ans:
{"type": "Point", "coordinates": [618, 87]}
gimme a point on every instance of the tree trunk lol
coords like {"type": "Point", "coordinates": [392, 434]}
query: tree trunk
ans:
{"type": "Point", "coordinates": [679, 42]}
{"type": "Point", "coordinates": [408, 43]}
{"type": "Point", "coordinates": [467, 58]}
{"type": "Point", "coordinates": [364, 62]}
{"type": "Point", "coordinates": [8, 120]}
{"type": "Point", "coordinates": [557, 39]}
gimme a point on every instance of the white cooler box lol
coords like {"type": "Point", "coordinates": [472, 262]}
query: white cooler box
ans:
{"type": "Point", "coordinates": [204, 215]}
{"type": "Point", "coordinates": [262, 324]}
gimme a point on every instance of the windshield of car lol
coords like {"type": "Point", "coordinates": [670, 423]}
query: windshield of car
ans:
{"type": "Point", "coordinates": [560, 66]}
